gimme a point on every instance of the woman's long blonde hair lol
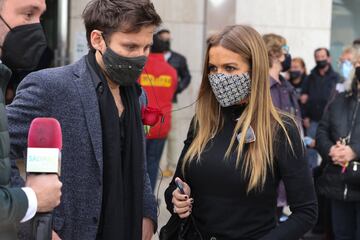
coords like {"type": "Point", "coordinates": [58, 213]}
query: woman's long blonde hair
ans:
{"type": "Point", "coordinates": [259, 113]}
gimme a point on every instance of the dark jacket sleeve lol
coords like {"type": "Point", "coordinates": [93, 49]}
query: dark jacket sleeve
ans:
{"type": "Point", "coordinates": [305, 90]}
{"type": "Point", "coordinates": [178, 172]}
{"type": "Point", "coordinates": [149, 201]}
{"type": "Point", "coordinates": [323, 138]}
{"type": "Point", "coordinates": [13, 206]}
{"type": "Point", "coordinates": [293, 169]}
{"type": "Point", "coordinates": [184, 75]}
{"type": "Point", "coordinates": [305, 85]}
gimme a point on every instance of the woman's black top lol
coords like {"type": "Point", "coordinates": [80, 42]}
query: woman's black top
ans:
{"type": "Point", "coordinates": [223, 209]}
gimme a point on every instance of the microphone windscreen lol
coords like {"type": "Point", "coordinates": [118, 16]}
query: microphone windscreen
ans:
{"type": "Point", "coordinates": [45, 133]}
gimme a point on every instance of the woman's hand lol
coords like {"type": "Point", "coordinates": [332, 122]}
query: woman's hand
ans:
{"type": "Point", "coordinates": [341, 154]}
{"type": "Point", "coordinates": [182, 202]}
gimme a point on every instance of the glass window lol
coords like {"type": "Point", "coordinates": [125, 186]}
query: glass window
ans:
{"type": "Point", "coordinates": [345, 26]}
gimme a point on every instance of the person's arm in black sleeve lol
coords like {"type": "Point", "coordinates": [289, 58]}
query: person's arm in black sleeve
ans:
{"type": "Point", "coordinates": [149, 202]}
{"type": "Point", "coordinates": [184, 75]}
{"type": "Point", "coordinates": [323, 138]}
{"type": "Point", "coordinates": [305, 91]}
{"type": "Point", "coordinates": [294, 172]}
{"type": "Point", "coordinates": [178, 172]}
{"type": "Point", "coordinates": [305, 86]}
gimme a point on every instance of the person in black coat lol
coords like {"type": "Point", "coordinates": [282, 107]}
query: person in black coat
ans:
{"type": "Point", "coordinates": [176, 60]}
{"type": "Point", "coordinates": [238, 149]}
{"type": "Point", "coordinates": [338, 142]}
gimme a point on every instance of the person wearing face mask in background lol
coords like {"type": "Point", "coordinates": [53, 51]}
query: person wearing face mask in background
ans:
{"type": "Point", "coordinates": [297, 77]}
{"type": "Point", "coordinates": [316, 93]}
{"type": "Point", "coordinates": [283, 94]}
{"type": "Point", "coordinates": [159, 80]}
{"type": "Point", "coordinates": [42, 192]}
{"type": "Point", "coordinates": [179, 62]}
{"type": "Point", "coordinates": [345, 67]}
{"type": "Point", "coordinates": [107, 193]}
{"type": "Point", "coordinates": [34, 54]}
{"type": "Point", "coordinates": [46, 61]}
{"type": "Point", "coordinates": [317, 89]}
{"type": "Point", "coordinates": [297, 74]}
{"type": "Point", "coordinates": [342, 121]}
{"type": "Point", "coordinates": [238, 148]}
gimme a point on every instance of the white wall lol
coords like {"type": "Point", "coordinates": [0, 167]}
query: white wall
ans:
{"type": "Point", "coordinates": [306, 24]}
{"type": "Point", "coordinates": [185, 20]}
{"type": "Point", "coordinates": [77, 36]}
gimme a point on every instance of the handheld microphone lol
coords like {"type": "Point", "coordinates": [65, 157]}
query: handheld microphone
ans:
{"type": "Point", "coordinates": [44, 146]}
{"type": "Point", "coordinates": [43, 156]}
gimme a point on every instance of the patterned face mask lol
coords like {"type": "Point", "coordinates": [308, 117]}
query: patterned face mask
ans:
{"type": "Point", "coordinates": [230, 89]}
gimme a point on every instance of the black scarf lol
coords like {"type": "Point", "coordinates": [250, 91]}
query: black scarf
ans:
{"type": "Point", "coordinates": [122, 208]}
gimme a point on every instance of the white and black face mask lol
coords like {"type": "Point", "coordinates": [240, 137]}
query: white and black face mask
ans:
{"type": "Point", "coordinates": [230, 89]}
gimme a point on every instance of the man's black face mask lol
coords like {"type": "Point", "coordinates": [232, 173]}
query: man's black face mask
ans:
{"type": "Point", "coordinates": [23, 46]}
{"type": "Point", "coordinates": [321, 64]}
{"type": "Point", "coordinates": [124, 71]}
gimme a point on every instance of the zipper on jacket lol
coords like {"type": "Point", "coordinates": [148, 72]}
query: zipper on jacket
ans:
{"type": "Point", "coordinates": [345, 191]}
{"type": "Point", "coordinates": [355, 167]}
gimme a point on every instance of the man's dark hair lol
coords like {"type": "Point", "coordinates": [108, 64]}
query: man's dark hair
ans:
{"type": "Point", "coordinates": [356, 42]}
{"type": "Point", "coordinates": [127, 16]}
{"type": "Point", "coordinates": [320, 49]}
{"type": "Point", "coordinates": [158, 46]}
{"type": "Point", "coordinates": [163, 31]}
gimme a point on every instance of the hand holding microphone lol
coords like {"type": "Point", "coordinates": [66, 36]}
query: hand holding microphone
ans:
{"type": "Point", "coordinates": [43, 167]}
{"type": "Point", "coordinates": [47, 188]}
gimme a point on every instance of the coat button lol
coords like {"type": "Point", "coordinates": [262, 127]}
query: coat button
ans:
{"type": "Point", "coordinates": [101, 89]}
{"type": "Point", "coordinates": [213, 238]}
{"type": "Point", "coordinates": [95, 220]}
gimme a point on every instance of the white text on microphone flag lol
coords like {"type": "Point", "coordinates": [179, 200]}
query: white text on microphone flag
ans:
{"type": "Point", "coordinates": [43, 160]}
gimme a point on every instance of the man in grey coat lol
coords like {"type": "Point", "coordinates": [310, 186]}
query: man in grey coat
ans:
{"type": "Point", "coordinates": [106, 191]}
{"type": "Point", "coordinates": [42, 192]}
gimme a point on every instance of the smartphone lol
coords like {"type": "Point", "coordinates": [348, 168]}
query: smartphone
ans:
{"type": "Point", "coordinates": [180, 186]}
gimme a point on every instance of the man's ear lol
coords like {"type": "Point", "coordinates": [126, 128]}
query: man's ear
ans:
{"type": "Point", "coordinates": [97, 41]}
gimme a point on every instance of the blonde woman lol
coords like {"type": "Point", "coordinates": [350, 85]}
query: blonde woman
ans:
{"type": "Point", "coordinates": [238, 149]}
{"type": "Point", "coordinates": [338, 141]}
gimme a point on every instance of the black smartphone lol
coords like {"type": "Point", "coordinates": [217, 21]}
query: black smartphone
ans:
{"type": "Point", "coordinates": [180, 186]}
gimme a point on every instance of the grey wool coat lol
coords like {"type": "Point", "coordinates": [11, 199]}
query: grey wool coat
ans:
{"type": "Point", "coordinates": [68, 94]}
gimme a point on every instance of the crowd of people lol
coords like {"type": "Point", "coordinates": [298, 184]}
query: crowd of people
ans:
{"type": "Point", "coordinates": [265, 134]}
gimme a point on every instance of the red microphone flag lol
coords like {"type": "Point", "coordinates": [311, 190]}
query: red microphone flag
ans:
{"type": "Point", "coordinates": [44, 146]}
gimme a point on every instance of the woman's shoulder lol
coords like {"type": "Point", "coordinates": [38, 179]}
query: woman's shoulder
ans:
{"type": "Point", "coordinates": [289, 125]}
{"type": "Point", "coordinates": [289, 122]}
{"type": "Point", "coordinates": [340, 100]}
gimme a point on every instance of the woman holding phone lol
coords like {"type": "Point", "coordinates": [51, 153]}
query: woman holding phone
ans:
{"type": "Point", "coordinates": [239, 147]}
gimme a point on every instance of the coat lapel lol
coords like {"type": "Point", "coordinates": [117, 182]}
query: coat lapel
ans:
{"type": "Point", "coordinates": [90, 105]}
